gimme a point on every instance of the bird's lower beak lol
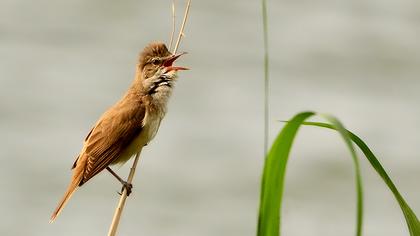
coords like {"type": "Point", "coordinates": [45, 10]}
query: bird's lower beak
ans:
{"type": "Point", "coordinates": [168, 63]}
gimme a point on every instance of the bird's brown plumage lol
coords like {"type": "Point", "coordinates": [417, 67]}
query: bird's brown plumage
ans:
{"type": "Point", "coordinates": [112, 139]}
{"type": "Point", "coordinates": [111, 136]}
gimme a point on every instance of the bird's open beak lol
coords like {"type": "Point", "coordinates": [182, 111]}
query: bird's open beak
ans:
{"type": "Point", "coordinates": [170, 60]}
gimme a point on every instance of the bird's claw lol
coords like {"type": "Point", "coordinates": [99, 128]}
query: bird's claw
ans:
{"type": "Point", "coordinates": [126, 186]}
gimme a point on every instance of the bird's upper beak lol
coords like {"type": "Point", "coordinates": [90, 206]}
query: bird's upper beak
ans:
{"type": "Point", "coordinates": [170, 60]}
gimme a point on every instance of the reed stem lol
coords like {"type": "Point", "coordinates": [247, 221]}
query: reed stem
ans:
{"type": "Point", "coordinates": [173, 25]}
{"type": "Point", "coordinates": [118, 211]}
{"type": "Point", "coordinates": [181, 31]}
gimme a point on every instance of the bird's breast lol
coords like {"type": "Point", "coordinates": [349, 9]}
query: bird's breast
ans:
{"type": "Point", "coordinates": [154, 114]}
{"type": "Point", "coordinates": [151, 125]}
{"type": "Point", "coordinates": [147, 133]}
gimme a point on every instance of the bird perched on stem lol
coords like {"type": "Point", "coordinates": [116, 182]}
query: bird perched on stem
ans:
{"type": "Point", "coordinates": [125, 128]}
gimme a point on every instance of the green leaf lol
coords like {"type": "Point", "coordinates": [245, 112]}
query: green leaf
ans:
{"type": "Point", "coordinates": [411, 218]}
{"type": "Point", "coordinates": [273, 178]}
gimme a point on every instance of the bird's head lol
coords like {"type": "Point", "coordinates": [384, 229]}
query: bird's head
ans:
{"type": "Point", "coordinates": [156, 61]}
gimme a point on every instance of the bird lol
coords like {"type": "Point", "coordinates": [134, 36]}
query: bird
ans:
{"type": "Point", "coordinates": [130, 124]}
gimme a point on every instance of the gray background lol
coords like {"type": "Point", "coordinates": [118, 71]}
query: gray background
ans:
{"type": "Point", "coordinates": [62, 63]}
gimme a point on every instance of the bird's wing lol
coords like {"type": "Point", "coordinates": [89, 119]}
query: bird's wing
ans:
{"type": "Point", "coordinates": [111, 136]}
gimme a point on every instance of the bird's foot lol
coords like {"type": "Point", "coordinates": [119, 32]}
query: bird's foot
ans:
{"type": "Point", "coordinates": [126, 186]}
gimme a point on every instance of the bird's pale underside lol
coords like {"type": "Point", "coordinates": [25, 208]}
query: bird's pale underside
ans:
{"type": "Point", "coordinates": [126, 127]}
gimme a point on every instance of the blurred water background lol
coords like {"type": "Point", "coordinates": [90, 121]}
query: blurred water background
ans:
{"type": "Point", "coordinates": [62, 63]}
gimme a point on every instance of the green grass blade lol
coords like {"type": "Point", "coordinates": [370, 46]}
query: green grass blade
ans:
{"type": "Point", "coordinates": [411, 218]}
{"type": "Point", "coordinates": [273, 177]}
{"type": "Point", "coordinates": [272, 185]}
{"type": "Point", "coordinates": [359, 190]}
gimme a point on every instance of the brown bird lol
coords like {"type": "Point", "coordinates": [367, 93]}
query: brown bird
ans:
{"type": "Point", "coordinates": [125, 128]}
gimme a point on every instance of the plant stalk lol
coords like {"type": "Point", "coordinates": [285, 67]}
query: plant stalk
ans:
{"type": "Point", "coordinates": [181, 31]}
{"type": "Point", "coordinates": [118, 211]}
{"type": "Point", "coordinates": [266, 75]}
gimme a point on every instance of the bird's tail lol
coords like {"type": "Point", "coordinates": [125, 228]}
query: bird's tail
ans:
{"type": "Point", "coordinates": [69, 192]}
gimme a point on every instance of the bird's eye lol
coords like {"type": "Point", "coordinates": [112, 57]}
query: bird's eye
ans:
{"type": "Point", "coordinates": [156, 61]}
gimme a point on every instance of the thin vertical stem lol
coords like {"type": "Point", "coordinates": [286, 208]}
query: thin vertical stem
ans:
{"type": "Point", "coordinates": [118, 211]}
{"type": "Point", "coordinates": [173, 25]}
{"type": "Point", "coordinates": [181, 31]}
{"type": "Point", "coordinates": [266, 76]}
